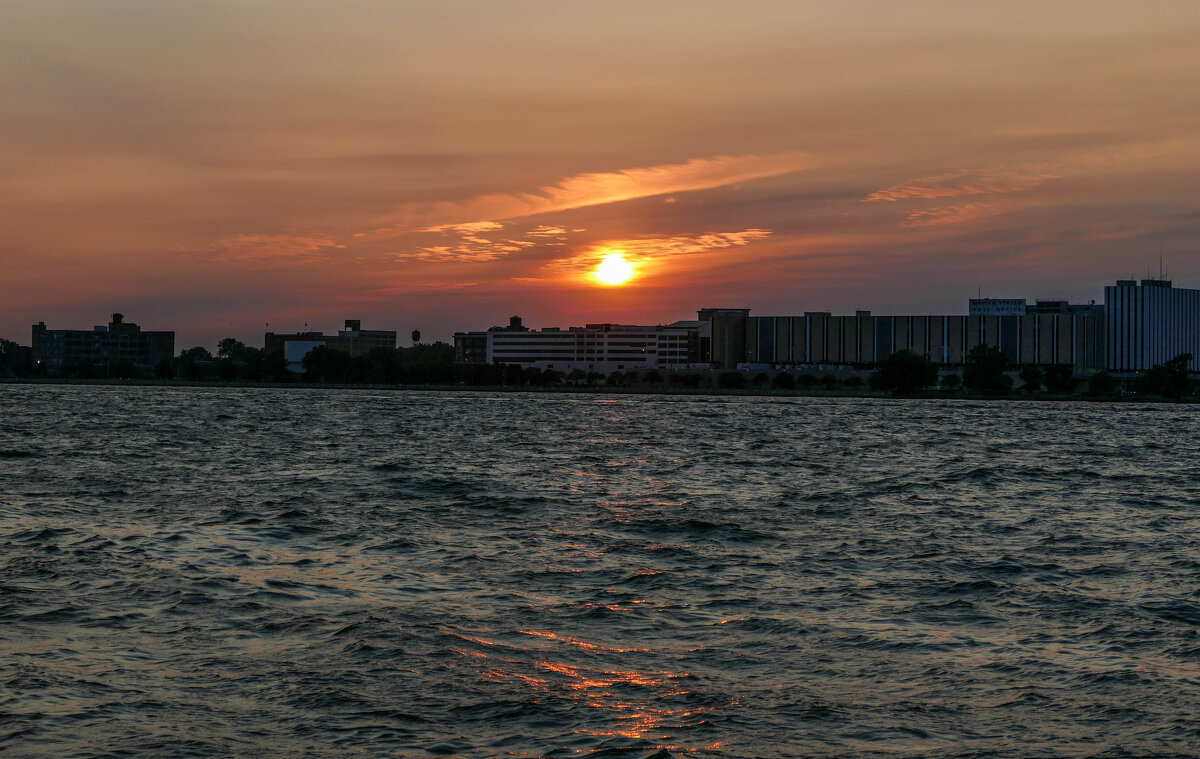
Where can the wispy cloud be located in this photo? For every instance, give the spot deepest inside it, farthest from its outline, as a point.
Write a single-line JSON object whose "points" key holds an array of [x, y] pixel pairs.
{"points": [[471, 245], [681, 245], [470, 228], [597, 188], [951, 214], [260, 248], [645, 249], [967, 182], [552, 233]]}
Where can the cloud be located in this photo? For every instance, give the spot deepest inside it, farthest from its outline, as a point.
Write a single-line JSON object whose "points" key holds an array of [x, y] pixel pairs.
{"points": [[951, 214], [471, 246], [954, 184], [470, 228], [259, 248], [598, 188], [669, 246], [555, 233]]}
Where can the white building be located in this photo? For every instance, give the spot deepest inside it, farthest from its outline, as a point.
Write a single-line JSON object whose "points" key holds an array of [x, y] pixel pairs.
{"points": [[600, 348], [1150, 323]]}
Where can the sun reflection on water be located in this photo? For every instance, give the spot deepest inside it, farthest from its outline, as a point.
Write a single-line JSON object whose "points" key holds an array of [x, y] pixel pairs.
{"points": [[635, 704]]}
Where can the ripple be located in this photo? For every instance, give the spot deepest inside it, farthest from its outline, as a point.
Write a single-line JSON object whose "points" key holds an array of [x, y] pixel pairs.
{"points": [[199, 572]]}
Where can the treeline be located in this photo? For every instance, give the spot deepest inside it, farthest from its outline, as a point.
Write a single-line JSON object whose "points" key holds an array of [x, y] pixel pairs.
{"points": [[986, 372], [235, 362]]}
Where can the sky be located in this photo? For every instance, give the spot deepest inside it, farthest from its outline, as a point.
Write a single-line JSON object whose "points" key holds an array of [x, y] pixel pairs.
{"points": [[220, 167]]}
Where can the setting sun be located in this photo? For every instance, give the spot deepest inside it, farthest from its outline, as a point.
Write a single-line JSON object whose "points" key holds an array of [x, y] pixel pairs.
{"points": [[614, 270]]}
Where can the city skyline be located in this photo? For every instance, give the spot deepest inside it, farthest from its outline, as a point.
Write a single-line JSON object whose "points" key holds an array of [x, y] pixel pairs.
{"points": [[217, 168]]}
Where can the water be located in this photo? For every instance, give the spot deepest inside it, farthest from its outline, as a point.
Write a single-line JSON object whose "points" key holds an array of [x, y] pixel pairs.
{"points": [[241, 572]]}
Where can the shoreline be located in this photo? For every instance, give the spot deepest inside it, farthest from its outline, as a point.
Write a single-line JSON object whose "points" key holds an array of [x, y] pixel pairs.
{"points": [[603, 390]]}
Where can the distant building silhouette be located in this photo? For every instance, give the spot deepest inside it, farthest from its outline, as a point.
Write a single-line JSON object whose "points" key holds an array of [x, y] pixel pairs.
{"points": [[353, 340], [118, 343], [1050, 332]]}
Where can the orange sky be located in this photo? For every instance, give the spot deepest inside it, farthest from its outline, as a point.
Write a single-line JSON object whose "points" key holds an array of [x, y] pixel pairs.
{"points": [[212, 167]]}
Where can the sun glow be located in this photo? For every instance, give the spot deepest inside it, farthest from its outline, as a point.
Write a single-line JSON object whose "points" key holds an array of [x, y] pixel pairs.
{"points": [[613, 270]]}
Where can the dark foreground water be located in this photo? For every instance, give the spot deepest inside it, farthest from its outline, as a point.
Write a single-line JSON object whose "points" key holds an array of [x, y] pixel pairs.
{"points": [[262, 573]]}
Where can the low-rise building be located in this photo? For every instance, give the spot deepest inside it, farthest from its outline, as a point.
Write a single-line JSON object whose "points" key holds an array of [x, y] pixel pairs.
{"points": [[117, 344], [600, 348], [1074, 337], [353, 340]]}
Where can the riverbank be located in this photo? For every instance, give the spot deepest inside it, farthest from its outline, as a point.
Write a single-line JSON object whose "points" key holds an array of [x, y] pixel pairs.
{"points": [[767, 392]]}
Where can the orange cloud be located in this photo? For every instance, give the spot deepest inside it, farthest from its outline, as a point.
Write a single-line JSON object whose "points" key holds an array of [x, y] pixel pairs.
{"points": [[954, 184], [259, 248], [552, 233], [951, 214], [592, 189], [472, 246], [652, 248], [470, 228]]}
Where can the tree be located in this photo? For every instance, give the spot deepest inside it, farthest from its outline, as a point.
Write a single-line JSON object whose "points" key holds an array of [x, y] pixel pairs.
{"points": [[1032, 378], [327, 364], [163, 370], [231, 348], [653, 377], [1060, 378], [806, 381], [985, 370], [830, 382], [731, 380], [905, 372], [275, 367], [853, 382], [951, 383], [226, 370], [784, 381], [1168, 379], [14, 359], [199, 354], [194, 363], [1102, 383], [761, 380], [577, 377], [615, 378], [512, 374], [416, 337]]}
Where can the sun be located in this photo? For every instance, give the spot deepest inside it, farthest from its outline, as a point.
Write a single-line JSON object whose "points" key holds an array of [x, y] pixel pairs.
{"points": [[613, 270]]}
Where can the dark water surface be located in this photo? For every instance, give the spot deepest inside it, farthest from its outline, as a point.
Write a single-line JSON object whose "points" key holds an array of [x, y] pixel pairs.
{"points": [[271, 573]]}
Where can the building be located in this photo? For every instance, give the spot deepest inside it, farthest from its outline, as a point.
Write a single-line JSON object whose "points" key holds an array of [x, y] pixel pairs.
{"points": [[1138, 326], [819, 338], [119, 344], [996, 307], [600, 348], [1150, 323], [353, 340]]}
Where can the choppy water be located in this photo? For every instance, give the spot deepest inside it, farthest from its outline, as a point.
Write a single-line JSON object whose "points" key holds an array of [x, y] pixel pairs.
{"points": [[229, 572]]}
